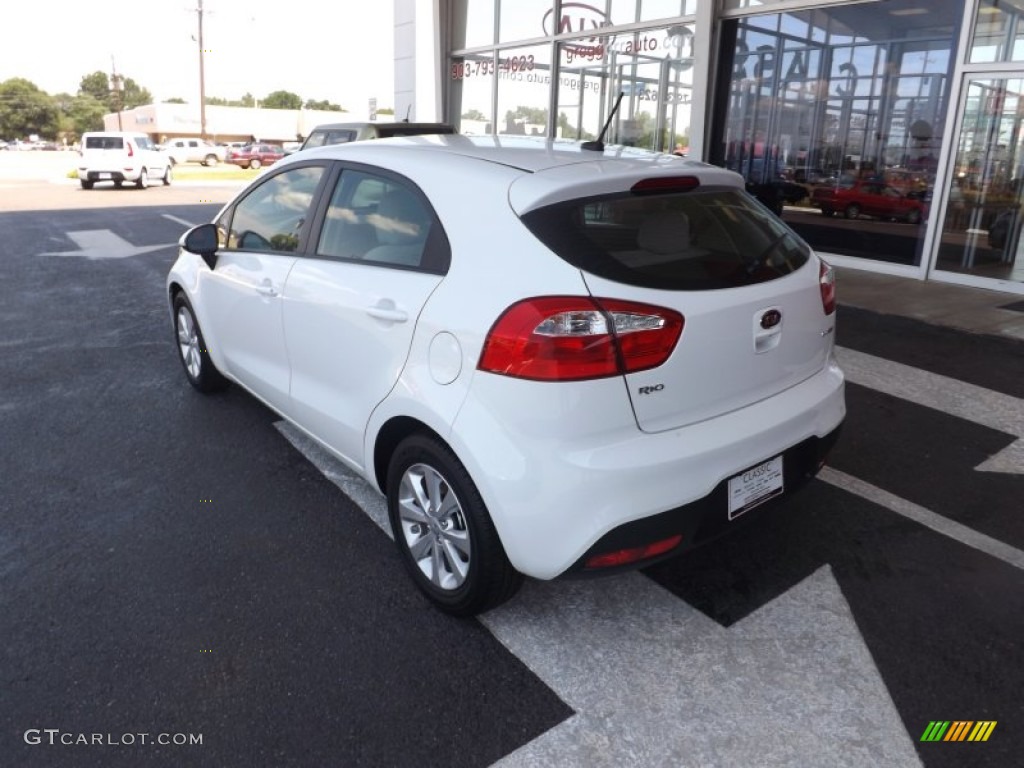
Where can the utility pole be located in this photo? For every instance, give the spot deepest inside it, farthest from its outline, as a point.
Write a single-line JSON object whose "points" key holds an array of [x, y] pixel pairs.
{"points": [[202, 75], [117, 85]]}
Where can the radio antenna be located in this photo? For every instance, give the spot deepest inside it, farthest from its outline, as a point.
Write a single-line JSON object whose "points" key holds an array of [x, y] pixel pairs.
{"points": [[598, 144]]}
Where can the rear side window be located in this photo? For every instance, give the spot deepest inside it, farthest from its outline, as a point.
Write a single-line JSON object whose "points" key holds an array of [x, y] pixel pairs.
{"points": [[702, 239], [384, 222], [104, 142]]}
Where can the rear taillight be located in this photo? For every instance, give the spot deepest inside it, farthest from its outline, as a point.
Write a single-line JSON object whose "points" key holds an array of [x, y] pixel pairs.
{"points": [[570, 338], [827, 281], [634, 554], [131, 152]]}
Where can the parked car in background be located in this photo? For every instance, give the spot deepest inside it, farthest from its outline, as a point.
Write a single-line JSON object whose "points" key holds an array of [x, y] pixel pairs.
{"points": [[119, 157], [195, 151], [869, 198], [608, 358], [342, 133], [810, 176], [255, 155]]}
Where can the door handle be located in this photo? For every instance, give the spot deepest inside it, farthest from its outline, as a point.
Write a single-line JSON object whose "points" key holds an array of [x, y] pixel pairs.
{"points": [[266, 288], [386, 310]]}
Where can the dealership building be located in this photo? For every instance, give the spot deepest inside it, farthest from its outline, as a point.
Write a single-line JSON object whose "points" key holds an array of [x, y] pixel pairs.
{"points": [[917, 101]]}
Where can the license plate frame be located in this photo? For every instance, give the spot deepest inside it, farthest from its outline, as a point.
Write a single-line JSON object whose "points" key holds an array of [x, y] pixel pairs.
{"points": [[755, 486]]}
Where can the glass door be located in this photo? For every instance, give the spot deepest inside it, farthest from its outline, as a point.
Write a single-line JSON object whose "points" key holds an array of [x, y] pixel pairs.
{"points": [[981, 229]]}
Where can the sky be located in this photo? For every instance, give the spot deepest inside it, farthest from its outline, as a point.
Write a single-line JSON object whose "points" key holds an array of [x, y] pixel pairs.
{"points": [[339, 51]]}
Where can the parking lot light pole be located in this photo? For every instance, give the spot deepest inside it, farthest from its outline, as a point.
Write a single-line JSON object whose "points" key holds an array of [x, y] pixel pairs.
{"points": [[202, 75]]}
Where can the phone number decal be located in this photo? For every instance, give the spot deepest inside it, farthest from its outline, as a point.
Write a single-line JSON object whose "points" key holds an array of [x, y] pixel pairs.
{"points": [[464, 69]]}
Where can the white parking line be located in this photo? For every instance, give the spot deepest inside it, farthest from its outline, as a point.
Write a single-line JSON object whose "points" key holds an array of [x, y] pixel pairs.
{"points": [[176, 220], [925, 517], [942, 393]]}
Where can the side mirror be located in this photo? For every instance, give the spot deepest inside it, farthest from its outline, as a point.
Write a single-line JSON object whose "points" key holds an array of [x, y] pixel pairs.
{"points": [[202, 241]]}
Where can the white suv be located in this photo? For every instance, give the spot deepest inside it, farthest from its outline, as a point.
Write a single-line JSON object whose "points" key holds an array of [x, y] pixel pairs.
{"points": [[118, 156], [194, 151]]}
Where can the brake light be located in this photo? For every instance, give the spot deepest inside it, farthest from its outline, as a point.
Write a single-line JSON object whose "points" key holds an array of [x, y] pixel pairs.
{"points": [[827, 281], [634, 554], [662, 184], [572, 338], [131, 152]]}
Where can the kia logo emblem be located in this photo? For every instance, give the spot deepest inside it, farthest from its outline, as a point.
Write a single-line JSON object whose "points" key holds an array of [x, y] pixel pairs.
{"points": [[578, 17], [771, 318]]}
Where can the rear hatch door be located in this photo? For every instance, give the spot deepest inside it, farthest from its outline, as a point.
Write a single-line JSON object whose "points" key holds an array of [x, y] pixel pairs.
{"points": [[746, 285]]}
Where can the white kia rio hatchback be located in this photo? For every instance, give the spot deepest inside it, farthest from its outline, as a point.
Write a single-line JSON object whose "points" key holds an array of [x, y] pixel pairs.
{"points": [[549, 359]]}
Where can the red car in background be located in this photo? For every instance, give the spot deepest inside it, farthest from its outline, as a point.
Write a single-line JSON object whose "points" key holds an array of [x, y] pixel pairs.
{"points": [[255, 155], [869, 198]]}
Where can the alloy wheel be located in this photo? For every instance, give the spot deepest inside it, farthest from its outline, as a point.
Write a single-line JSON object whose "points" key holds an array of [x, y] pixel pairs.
{"points": [[433, 527], [188, 343]]}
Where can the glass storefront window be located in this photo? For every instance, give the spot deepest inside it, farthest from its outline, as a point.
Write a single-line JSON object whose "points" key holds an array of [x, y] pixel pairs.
{"points": [[981, 231], [582, 99], [998, 32], [837, 113], [524, 88], [472, 87], [628, 11], [739, 5], [473, 23], [527, 19], [654, 71]]}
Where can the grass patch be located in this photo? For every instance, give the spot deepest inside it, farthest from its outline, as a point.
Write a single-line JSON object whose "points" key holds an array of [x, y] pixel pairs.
{"points": [[226, 172]]}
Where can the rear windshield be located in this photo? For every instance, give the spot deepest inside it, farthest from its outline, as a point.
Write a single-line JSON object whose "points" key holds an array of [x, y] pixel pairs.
{"points": [[706, 238], [104, 142], [324, 138]]}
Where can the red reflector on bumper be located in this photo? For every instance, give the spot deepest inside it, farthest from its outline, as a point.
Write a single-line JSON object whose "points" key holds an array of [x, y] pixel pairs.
{"points": [[634, 554]]}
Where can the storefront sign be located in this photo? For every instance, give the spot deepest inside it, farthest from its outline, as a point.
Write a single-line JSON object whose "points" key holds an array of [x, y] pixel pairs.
{"points": [[579, 17]]}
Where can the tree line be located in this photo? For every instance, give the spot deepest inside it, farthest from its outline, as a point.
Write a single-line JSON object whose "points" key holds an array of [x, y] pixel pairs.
{"points": [[25, 109]]}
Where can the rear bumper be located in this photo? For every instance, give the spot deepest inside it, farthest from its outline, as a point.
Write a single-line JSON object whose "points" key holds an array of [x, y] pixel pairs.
{"points": [[707, 518], [563, 476], [112, 175]]}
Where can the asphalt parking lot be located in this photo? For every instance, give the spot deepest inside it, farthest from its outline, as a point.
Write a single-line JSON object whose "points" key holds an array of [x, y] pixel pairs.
{"points": [[177, 565]]}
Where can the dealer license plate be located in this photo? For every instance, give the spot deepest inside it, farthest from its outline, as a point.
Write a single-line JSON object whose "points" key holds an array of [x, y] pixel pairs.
{"points": [[102, 175], [755, 486]]}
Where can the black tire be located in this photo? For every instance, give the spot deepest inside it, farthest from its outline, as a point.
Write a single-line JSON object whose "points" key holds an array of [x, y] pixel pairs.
{"points": [[86, 184], [211, 161], [828, 212], [168, 176], [255, 163], [464, 580], [852, 211], [914, 217], [192, 353], [143, 182], [118, 184]]}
